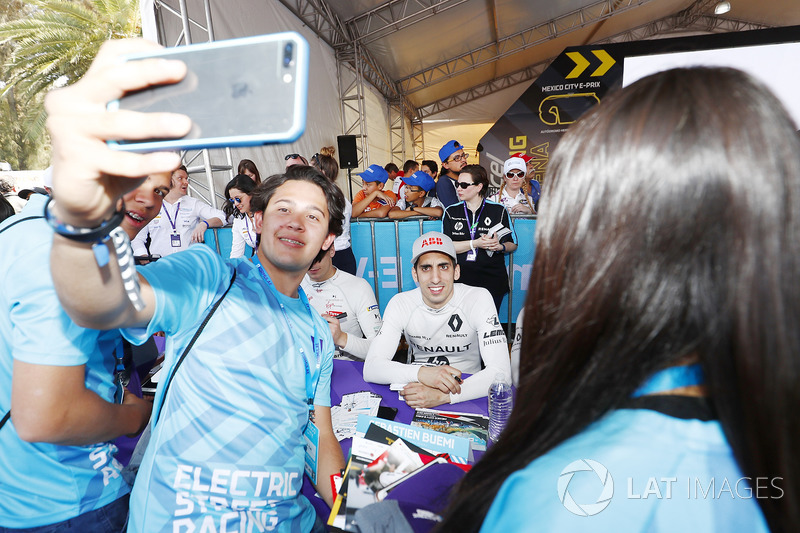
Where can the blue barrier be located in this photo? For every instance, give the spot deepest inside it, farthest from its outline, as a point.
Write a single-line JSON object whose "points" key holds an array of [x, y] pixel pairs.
{"points": [[221, 240], [391, 241]]}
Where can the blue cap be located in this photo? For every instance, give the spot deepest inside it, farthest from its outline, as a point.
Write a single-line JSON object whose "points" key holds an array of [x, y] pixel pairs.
{"points": [[375, 173], [420, 179], [449, 149]]}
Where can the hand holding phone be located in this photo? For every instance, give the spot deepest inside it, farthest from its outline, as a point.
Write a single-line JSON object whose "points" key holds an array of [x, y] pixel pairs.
{"points": [[238, 92], [88, 178]]}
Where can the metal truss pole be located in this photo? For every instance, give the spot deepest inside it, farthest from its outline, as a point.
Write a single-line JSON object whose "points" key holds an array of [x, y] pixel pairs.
{"points": [[397, 132], [418, 140], [351, 98], [219, 160]]}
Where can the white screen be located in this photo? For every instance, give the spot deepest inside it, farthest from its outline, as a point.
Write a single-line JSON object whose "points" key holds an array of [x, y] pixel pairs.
{"points": [[774, 64]]}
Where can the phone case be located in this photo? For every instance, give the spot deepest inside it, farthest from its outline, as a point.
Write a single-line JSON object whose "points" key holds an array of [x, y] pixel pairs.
{"points": [[249, 88]]}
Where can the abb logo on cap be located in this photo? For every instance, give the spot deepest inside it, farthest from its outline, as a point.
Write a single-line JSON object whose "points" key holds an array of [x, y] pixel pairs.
{"points": [[431, 241]]}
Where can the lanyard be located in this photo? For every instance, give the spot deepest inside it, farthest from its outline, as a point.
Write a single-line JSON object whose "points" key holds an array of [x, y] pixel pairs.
{"points": [[311, 380], [672, 378], [177, 210], [475, 220]]}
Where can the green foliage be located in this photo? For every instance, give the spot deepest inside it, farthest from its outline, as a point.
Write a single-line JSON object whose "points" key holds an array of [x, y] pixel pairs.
{"points": [[48, 43]]}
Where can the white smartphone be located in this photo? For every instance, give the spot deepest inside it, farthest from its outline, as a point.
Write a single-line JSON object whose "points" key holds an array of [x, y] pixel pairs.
{"points": [[238, 92]]}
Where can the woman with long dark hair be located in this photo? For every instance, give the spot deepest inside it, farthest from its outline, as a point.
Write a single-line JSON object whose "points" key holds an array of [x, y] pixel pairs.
{"points": [[248, 168], [344, 258], [660, 344], [238, 192]]}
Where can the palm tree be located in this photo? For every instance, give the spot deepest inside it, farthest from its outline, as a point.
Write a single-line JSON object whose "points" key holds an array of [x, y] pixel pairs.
{"points": [[54, 46]]}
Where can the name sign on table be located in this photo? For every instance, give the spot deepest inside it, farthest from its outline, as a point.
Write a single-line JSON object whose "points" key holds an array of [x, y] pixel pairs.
{"points": [[457, 447]]}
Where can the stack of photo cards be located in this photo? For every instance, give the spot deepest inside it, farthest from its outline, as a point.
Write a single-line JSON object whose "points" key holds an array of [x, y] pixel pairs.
{"points": [[500, 231], [345, 415], [380, 461]]}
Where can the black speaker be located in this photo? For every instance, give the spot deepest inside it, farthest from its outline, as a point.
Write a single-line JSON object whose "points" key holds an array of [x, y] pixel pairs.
{"points": [[348, 155]]}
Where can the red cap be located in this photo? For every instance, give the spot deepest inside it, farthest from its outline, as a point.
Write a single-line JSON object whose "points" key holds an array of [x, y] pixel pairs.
{"points": [[524, 156]]}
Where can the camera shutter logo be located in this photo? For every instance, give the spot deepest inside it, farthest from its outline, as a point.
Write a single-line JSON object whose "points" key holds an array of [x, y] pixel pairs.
{"points": [[585, 509]]}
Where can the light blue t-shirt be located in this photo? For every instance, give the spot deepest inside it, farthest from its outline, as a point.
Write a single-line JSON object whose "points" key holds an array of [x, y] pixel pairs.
{"points": [[44, 483], [227, 452], [666, 474]]}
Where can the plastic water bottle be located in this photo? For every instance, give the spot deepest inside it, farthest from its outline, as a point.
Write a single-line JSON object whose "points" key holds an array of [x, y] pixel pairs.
{"points": [[500, 404]]}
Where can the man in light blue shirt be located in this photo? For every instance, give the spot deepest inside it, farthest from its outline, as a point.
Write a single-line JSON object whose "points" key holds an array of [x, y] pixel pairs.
{"points": [[232, 417], [57, 468]]}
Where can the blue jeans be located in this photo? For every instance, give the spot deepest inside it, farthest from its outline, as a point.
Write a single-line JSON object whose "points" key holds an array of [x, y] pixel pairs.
{"points": [[108, 519]]}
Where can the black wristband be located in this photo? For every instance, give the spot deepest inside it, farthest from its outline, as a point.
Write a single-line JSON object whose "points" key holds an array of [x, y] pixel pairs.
{"points": [[96, 234]]}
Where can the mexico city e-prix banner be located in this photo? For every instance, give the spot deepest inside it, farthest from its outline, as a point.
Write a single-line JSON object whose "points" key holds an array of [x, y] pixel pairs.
{"points": [[577, 80]]}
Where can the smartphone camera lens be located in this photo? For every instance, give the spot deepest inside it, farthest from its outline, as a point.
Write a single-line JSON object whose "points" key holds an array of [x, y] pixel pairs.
{"points": [[287, 54]]}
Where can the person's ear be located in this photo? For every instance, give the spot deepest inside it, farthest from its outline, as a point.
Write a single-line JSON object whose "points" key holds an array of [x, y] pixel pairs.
{"points": [[258, 218], [414, 274], [457, 272], [328, 242]]}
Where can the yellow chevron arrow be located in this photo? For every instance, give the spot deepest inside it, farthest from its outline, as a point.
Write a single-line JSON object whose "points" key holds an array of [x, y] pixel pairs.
{"points": [[607, 62], [580, 64]]}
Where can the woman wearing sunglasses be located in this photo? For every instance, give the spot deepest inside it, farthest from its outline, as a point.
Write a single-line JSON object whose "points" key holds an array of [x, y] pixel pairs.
{"points": [[514, 192], [482, 234], [238, 191]]}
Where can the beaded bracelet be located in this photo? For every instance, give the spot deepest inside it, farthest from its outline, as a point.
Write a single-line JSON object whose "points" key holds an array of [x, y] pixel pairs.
{"points": [[107, 230], [96, 234]]}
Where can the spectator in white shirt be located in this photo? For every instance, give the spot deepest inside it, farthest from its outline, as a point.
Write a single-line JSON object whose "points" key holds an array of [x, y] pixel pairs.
{"points": [[450, 328], [514, 192], [181, 222], [347, 303]]}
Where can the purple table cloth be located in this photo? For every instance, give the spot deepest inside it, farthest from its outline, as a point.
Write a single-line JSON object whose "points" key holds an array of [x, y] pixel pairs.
{"points": [[348, 377]]}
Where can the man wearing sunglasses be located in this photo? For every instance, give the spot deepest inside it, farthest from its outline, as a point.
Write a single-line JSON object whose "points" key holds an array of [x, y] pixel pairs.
{"points": [[295, 159], [416, 200], [453, 160]]}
